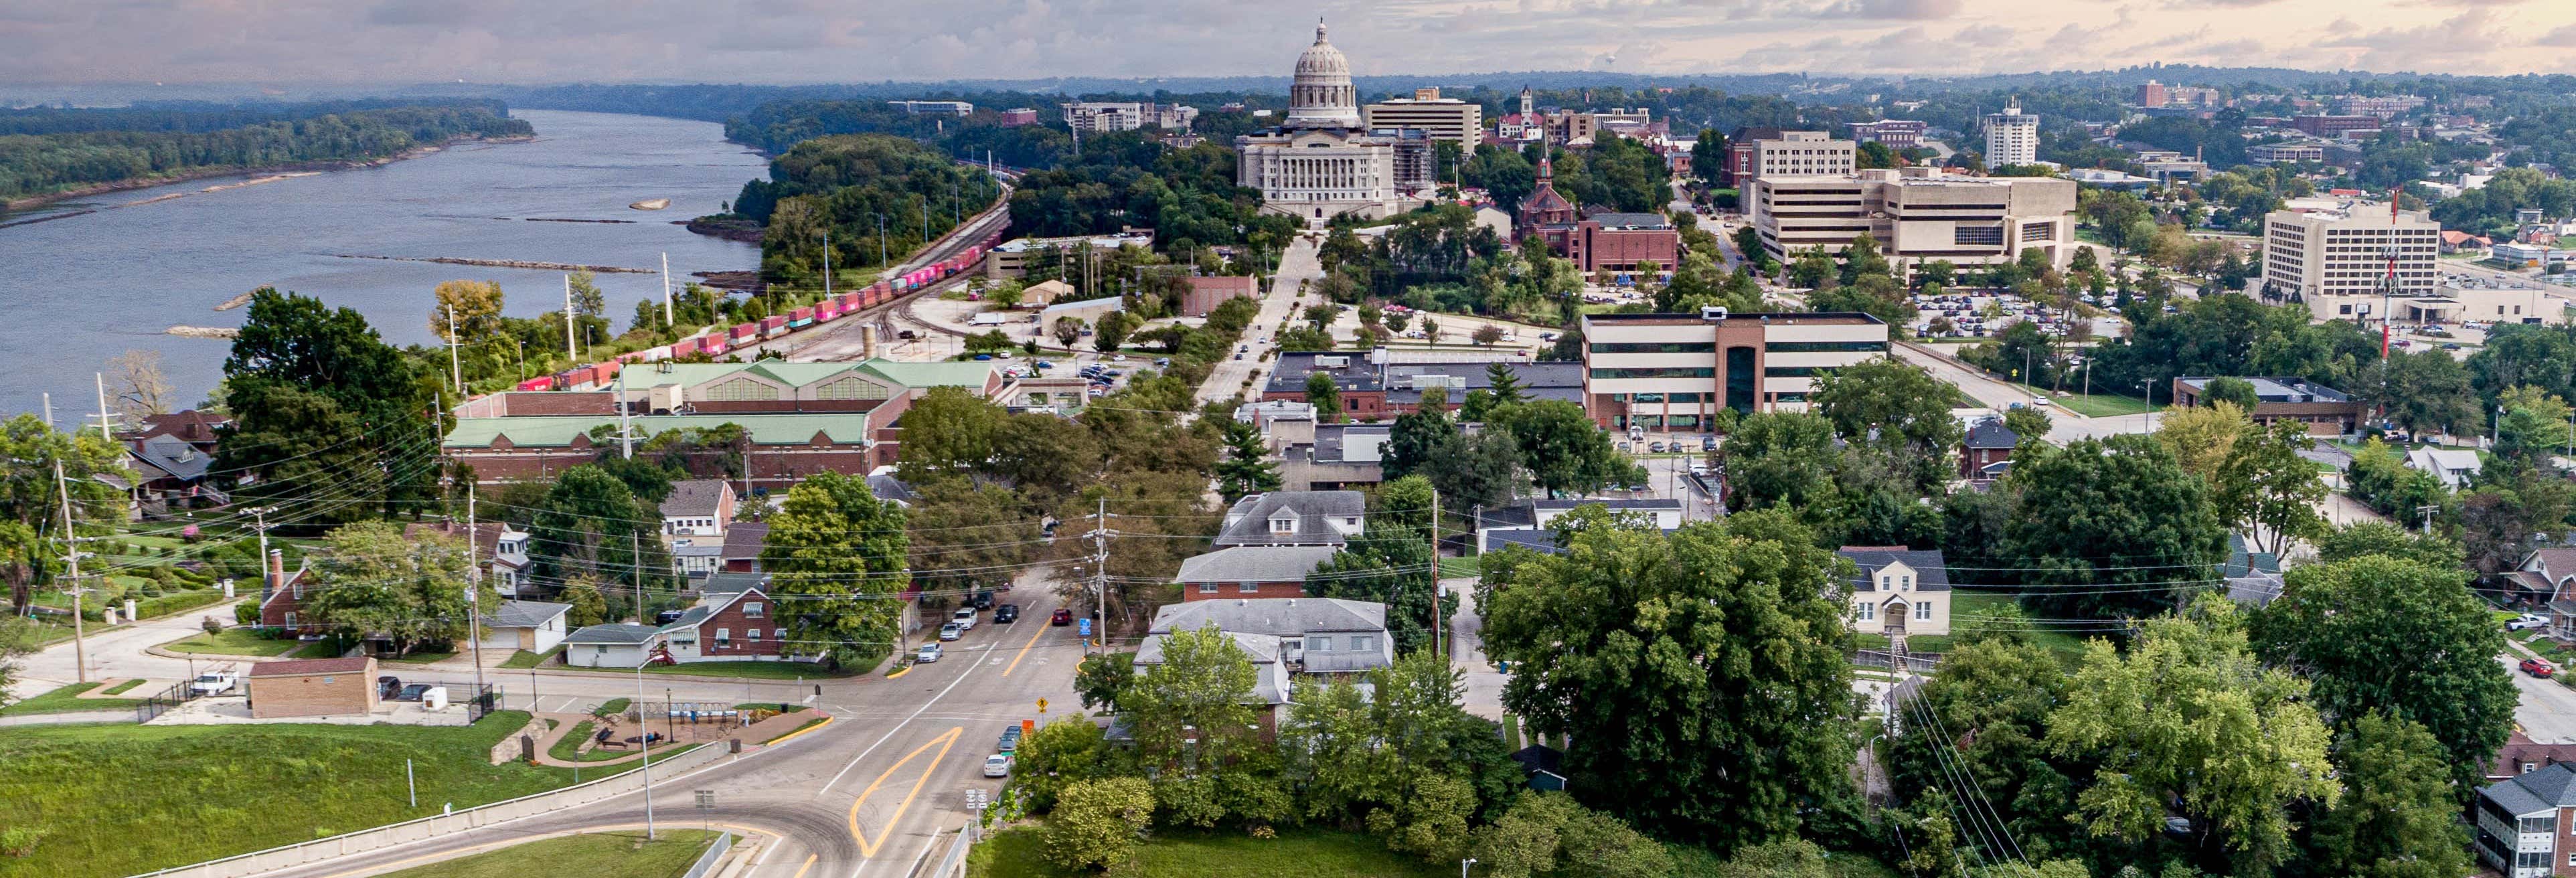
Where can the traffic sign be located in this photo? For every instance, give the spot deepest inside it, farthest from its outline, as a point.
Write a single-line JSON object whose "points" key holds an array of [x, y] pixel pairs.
{"points": [[1041, 705], [1083, 627]]}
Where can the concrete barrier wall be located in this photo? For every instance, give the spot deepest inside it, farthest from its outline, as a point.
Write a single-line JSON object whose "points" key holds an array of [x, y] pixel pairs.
{"points": [[300, 853]]}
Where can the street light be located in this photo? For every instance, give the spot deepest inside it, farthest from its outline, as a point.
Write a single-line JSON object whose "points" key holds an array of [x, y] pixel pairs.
{"points": [[1463, 864]]}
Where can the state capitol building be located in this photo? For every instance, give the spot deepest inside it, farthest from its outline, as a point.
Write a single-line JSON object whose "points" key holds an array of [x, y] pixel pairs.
{"points": [[1324, 161]]}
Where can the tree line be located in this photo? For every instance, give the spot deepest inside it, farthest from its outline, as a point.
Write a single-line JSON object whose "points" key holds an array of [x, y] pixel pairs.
{"points": [[54, 150]]}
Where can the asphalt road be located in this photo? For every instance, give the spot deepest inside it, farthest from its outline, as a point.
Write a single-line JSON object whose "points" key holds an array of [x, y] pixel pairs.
{"points": [[2547, 710], [1278, 306]]}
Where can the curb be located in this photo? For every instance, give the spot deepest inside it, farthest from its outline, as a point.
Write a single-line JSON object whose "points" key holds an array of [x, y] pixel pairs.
{"points": [[790, 736], [898, 672]]}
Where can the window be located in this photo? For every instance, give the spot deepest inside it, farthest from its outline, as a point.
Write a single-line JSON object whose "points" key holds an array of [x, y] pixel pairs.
{"points": [[599, 650], [780, 633], [1247, 587], [1363, 643], [751, 610], [724, 637], [2529, 767], [1669, 372], [1905, 583], [1319, 644], [1866, 611], [741, 389], [1825, 347], [2540, 825], [1207, 587], [1650, 347], [290, 620], [1285, 524], [1886, 581], [1923, 611], [296, 593], [751, 635], [1992, 236], [2531, 860]]}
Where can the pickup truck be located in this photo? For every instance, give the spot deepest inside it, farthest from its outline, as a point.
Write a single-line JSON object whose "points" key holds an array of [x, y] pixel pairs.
{"points": [[211, 683]]}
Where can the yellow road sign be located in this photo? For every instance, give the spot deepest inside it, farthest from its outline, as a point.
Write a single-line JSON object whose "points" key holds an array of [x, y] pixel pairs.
{"points": [[1041, 705]]}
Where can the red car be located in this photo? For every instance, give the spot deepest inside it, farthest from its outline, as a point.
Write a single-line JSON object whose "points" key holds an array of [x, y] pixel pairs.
{"points": [[2537, 668], [1062, 617]]}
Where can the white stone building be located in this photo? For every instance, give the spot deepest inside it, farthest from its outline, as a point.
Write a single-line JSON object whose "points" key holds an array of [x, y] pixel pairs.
{"points": [[1323, 161]]}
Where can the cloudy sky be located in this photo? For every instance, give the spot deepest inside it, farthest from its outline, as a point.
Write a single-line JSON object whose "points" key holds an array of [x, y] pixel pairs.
{"points": [[810, 41]]}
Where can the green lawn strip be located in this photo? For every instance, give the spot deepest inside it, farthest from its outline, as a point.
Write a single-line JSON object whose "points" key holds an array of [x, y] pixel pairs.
{"points": [[742, 670], [597, 855], [66, 700], [233, 641], [524, 659], [1020, 852], [2098, 405], [422, 658], [1966, 604], [1512, 731], [777, 706], [1472, 565], [565, 748], [614, 706], [241, 788], [122, 688]]}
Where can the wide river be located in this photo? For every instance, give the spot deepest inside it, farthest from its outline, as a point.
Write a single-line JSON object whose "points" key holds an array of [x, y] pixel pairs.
{"points": [[79, 290]]}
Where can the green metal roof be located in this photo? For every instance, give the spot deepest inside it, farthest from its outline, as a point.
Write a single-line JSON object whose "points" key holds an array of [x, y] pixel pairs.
{"points": [[912, 375], [559, 431]]}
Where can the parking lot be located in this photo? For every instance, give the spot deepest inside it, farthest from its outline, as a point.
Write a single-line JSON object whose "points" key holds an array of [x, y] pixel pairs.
{"points": [[1984, 315]]}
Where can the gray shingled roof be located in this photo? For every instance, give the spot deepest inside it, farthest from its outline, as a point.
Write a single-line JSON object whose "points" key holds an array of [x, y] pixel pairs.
{"points": [[2541, 790], [1254, 564], [1262, 648], [1279, 617], [614, 633], [1991, 433], [175, 456], [1931, 573], [1248, 522], [524, 614], [745, 539], [693, 498]]}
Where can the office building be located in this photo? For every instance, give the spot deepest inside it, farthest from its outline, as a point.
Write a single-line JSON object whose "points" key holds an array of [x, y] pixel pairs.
{"points": [[2012, 137], [1802, 153], [1441, 118], [1018, 116], [2334, 255], [1916, 215], [1100, 117], [2325, 410], [937, 108], [1896, 134], [1323, 161], [2335, 126], [1674, 371], [2151, 95], [2275, 153], [2380, 107]]}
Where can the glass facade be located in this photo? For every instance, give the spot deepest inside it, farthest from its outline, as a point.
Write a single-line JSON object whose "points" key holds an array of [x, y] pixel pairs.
{"points": [[1647, 347], [1825, 347], [1668, 372], [1740, 379]]}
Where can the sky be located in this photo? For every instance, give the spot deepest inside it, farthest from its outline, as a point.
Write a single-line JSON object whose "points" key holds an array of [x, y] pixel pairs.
{"points": [[844, 41]]}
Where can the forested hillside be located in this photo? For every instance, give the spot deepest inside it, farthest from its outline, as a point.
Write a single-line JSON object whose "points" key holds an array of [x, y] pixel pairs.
{"points": [[45, 151]]}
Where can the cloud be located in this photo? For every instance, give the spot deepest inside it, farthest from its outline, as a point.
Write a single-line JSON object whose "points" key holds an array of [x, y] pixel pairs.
{"points": [[2563, 38], [1902, 10]]}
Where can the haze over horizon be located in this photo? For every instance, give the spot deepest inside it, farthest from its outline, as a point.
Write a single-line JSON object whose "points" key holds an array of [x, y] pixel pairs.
{"points": [[805, 41]]}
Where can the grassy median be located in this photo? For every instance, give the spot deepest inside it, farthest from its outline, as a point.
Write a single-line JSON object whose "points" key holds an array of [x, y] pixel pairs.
{"points": [[1021, 853], [597, 855]]}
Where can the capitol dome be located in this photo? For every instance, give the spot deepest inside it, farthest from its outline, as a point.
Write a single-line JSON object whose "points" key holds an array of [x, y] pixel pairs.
{"points": [[1322, 96]]}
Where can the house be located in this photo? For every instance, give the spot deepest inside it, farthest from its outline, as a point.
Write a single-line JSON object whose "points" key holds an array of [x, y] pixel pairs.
{"points": [[505, 545], [2542, 576], [1987, 444], [1532, 523], [2253, 578], [1044, 293], [728, 626], [1294, 518], [533, 626], [2523, 822], [743, 541], [614, 645], [883, 484], [171, 471], [1270, 686], [2454, 466], [1315, 635], [2521, 755], [313, 687], [281, 597], [1545, 766], [1250, 572], [694, 519], [1333, 456], [1899, 591]]}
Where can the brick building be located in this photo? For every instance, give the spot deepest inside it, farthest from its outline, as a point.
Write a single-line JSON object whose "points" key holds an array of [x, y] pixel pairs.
{"points": [[1619, 242], [2326, 411], [313, 687], [1206, 293], [1250, 572], [2334, 126], [1986, 449], [728, 626]]}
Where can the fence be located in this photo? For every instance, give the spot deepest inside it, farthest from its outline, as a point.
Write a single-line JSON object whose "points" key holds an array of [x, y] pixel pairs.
{"points": [[300, 853], [1918, 662], [706, 864], [163, 702], [953, 863]]}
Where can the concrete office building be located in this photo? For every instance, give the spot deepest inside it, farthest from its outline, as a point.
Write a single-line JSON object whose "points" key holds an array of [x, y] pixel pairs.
{"points": [[1916, 214], [937, 108], [1896, 134], [1674, 371], [2012, 137], [1802, 153], [2333, 255], [2274, 153], [1324, 161], [1449, 119], [1103, 117]]}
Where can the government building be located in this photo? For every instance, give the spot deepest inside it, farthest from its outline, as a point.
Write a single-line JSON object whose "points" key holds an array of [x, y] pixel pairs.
{"points": [[1659, 372], [1324, 161]]}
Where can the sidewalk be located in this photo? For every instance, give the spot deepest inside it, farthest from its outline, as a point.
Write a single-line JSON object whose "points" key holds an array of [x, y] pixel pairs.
{"points": [[752, 736]]}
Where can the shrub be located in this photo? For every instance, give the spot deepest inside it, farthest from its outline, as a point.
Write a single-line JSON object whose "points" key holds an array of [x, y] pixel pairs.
{"points": [[246, 613], [211, 624], [19, 841], [1097, 822]]}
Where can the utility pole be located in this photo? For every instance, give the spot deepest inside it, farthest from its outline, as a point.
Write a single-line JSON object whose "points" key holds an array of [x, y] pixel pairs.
{"points": [[667, 320], [827, 262], [625, 434], [71, 555], [635, 553], [455, 368], [474, 593], [1100, 574], [646, 736], [104, 418], [570, 351]]}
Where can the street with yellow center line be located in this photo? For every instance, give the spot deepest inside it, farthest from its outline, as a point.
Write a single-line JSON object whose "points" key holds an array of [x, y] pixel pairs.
{"points": [[945, 741]]}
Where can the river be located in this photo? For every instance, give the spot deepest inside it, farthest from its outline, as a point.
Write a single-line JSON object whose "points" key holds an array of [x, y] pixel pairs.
{"points": [[82, 289]]}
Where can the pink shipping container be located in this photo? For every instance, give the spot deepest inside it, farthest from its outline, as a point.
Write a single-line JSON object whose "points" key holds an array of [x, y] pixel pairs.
{"points": [[773, 327], [533, 384], [743, 332]]}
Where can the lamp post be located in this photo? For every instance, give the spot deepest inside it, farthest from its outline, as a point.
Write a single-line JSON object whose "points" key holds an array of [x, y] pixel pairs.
{"points": [[1463, 864], [646, 735]]}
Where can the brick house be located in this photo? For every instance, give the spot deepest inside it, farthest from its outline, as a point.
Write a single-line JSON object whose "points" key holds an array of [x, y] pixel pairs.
{"points": [[2521, 755], [743, 542], [728, 626], [313, 687], [2526, 824], [1987, 445], [281, 599], [1250, 572]]}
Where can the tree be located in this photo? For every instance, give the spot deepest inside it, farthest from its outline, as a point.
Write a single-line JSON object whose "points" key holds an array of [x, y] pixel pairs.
{"points": [[1097, 822], [1504, 383], [1067, 330], [1988, 709], [2347, 623], [1430, 330], [1698, 676], [2382, 538], [1101, 677], [1109, 331], [1418, 438], [1779, 457], [1008, 295], [1405, 759], [2238, 391], [1247, 468], [1812, 269], [289, 444], [472, 307], [31, 498], [835, 558], [1563, 448], [2187, 718], [2203, 438], [375, 581], [2110, 528], [1548, 835], [589, 603], [140, 385], [949, 433], [1062, 753], [1486, 334], [1895, 406], [1483, 470], [591, 524], [2268, 489], [2535, 425], [2028, 422], [294, 343], [2398, 817], [1325, 395]]}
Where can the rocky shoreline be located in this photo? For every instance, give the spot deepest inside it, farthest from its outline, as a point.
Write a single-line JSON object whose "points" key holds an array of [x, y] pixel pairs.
{"points": [[730, 229], [507, 263]]}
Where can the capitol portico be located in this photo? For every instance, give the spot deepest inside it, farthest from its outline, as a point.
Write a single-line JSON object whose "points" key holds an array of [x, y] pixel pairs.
{"points": [[1323, 161]]}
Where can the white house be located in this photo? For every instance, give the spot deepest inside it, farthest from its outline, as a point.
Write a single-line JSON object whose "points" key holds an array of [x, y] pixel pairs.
{"points": [[1294, 518], [2519, 821], [1899, 590], [615, 645], [535, 626], [1315, 635], [694, 519], [2455, 466]]}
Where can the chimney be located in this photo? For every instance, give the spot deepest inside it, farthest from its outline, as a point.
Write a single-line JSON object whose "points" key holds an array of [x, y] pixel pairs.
{"points": [[867, 342], [276, 571]]}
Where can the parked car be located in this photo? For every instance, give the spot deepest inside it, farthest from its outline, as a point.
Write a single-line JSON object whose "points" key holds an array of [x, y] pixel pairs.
{"points": [[950, 631], [1656, 447], [1010, 740], [997, 765], [2526, 622], [929, 653], [964, 618], [1006, 614], [211, 683], [2538, 668], [387, 686], [411, 692], [983, 600], [1061, 618], [1708, 443]]}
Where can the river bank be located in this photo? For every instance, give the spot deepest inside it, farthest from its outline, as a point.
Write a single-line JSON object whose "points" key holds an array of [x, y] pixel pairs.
{"points": [[31, 202]]}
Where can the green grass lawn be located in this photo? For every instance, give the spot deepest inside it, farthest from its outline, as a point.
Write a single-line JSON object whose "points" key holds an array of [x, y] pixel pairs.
{"points": [[239, 788], [422, 657], [1020, 853], [743, 670], [1472, 565], [233, 641], [1965, 603], [598, 855], [566, 748], [526, 659], [66, 700], [2098, 405], [122, 688]]}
